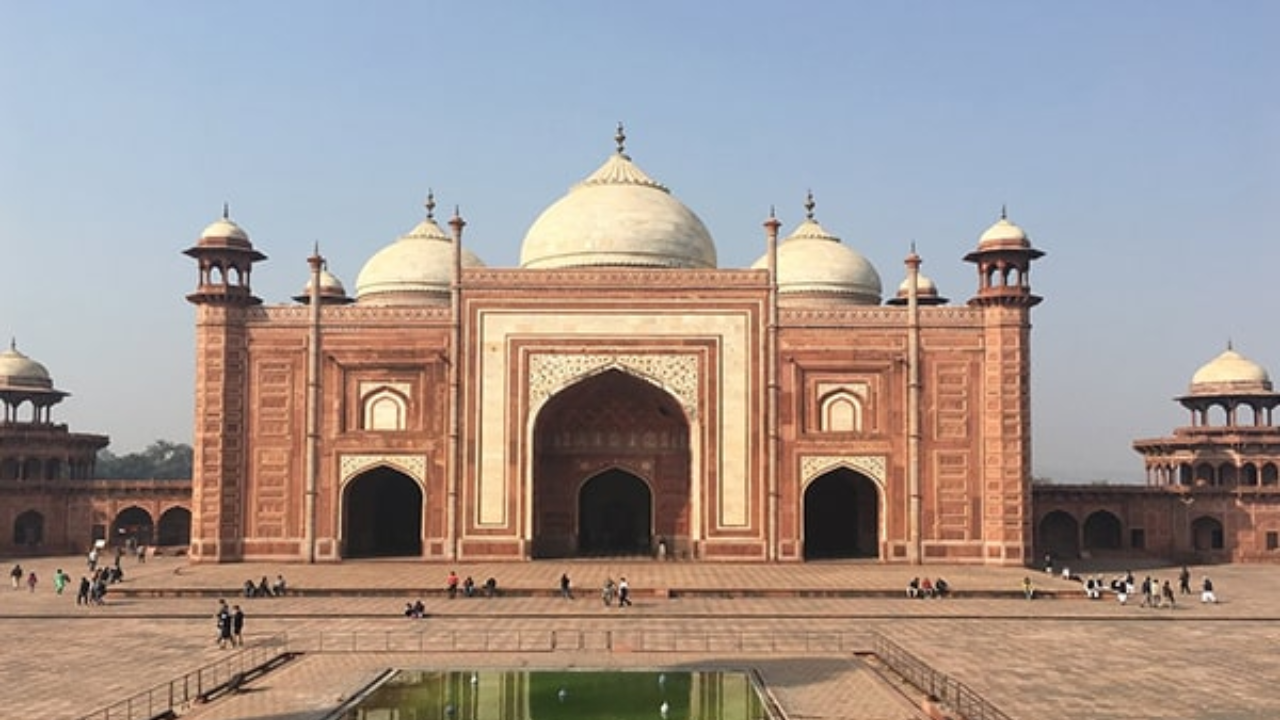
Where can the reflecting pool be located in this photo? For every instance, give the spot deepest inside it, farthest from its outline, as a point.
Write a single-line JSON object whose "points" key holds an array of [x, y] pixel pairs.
{"points": [[560, 695]]}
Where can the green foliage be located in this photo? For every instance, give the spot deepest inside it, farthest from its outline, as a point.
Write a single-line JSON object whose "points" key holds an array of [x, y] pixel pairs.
{"points": [[162, 460]]}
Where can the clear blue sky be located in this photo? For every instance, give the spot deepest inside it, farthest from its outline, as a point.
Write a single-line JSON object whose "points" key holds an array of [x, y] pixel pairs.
{"points": [[1137, 142]]}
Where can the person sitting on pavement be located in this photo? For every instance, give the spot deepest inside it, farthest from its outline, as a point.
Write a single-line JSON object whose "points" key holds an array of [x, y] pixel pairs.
{"points": [[941, 588]]}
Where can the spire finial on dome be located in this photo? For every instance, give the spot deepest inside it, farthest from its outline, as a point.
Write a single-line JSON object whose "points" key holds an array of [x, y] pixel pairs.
{"points": [[809, 205], [13, 344], [226, 210], [620, 137], [430, 204], [1229, 344], [1004, 211]]}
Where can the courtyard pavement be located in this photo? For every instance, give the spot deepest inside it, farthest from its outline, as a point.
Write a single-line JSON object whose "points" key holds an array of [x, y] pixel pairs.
{"points": [[805, 627]]}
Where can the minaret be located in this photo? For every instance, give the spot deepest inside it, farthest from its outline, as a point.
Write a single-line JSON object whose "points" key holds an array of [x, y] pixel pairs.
{"points": [[1003, 256], [225, 258]]}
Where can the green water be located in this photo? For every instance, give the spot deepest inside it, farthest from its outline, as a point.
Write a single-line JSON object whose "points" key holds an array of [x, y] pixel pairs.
{"points": [[561, 695]]}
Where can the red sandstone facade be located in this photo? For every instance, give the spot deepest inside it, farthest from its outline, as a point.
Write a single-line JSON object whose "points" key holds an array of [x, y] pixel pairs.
{"points": [[608, 407]]}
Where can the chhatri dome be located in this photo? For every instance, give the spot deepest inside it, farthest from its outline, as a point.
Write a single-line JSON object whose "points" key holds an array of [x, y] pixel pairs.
{"points": [[224, 232], [331, 288], [416, 269], [1003, 235], [1230, 374], [814, 264], [618, 216], [21, 373]]}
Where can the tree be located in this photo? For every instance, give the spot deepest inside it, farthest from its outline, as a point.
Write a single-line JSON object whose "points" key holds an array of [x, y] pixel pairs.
{"points": [[162, 460]]}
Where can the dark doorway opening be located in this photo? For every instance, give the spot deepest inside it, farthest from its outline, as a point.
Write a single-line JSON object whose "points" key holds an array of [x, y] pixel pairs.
{"points": [[1102, 531], [383, 515], [841, 517], [174, 527], [615, 510], [28, 529], [1060, 535], [133, 523]]}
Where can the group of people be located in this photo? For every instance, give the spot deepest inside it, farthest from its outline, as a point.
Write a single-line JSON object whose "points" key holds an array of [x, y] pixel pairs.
{"points": [[926, 588], [620, 590], [468, 586], [264, 589], [230, 622], [17, 574]]}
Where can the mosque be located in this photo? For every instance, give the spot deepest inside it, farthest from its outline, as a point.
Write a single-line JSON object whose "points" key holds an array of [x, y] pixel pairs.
{"points": [[620, 394]]}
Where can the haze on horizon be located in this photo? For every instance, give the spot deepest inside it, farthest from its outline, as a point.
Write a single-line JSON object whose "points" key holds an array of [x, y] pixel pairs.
{"points": [[1138, 145]]}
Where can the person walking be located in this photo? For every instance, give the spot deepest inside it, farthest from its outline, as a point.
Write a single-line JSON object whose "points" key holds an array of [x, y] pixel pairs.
{"points": [[32, 580], [566, 591], [607, 592], [223, 619], [1184, 581], [15, 575], [237, 626], [624, 593]]}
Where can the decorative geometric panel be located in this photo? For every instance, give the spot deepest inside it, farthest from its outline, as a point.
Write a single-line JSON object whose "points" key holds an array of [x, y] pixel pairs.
{"points": [[677, 374], [415, 466], [873, 466]]}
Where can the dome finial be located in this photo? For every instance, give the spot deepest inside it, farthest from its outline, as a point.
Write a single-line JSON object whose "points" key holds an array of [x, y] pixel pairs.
{"points": [[809, 205], [430, 204], [620, 137], [13, 344], [226, 210], [1229, 347], [1004, 211], [771, 224], [457, 223]]}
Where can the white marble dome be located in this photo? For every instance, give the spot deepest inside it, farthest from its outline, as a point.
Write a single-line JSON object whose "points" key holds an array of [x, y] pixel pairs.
{"points": [[416, 269], [814, 263], [1230, 373], [1004, 234], [618, 216], [925, 287], [19, 372], [224, 232]]}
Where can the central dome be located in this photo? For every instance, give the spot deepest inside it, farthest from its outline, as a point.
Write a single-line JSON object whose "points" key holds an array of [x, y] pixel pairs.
{"points": [[618, 216]]}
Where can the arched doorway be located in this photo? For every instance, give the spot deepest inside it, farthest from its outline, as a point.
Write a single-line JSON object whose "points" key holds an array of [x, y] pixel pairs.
{"points": [[584, 439], [841, 516], [28, 529], [132, 523], [1060, 534], [174, 528], [615, 511], [1102, 531], [382, 515], [1206, 533]]}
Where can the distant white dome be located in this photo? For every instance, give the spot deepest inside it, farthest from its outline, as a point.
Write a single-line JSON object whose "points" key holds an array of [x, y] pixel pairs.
{"points": [[813, 263], [331, 288], [1230, 373], [19, 372], [416, 269], [618, 216]]}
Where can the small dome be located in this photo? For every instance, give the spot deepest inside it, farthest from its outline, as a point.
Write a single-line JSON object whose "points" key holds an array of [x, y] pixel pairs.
{"points": [[618, 216], [416, 269], [1230, 373], [224, 232], [19, 372], [814, 263], [331, 288], [1004, 235], [926, 292]]}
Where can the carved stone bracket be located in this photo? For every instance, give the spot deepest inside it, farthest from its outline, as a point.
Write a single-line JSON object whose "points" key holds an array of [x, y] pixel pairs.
{"points": [[677, 374], [415, 466]]}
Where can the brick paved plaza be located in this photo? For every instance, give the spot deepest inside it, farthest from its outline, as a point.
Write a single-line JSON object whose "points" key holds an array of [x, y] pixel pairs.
{"points": [[804, 627]]}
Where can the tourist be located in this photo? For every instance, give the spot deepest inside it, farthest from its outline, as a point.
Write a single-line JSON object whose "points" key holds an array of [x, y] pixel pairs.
{"points": [[926, 588], [469, 587], [32, 580], [624, 593], [278, 587], [82, 595], [264, 588], [223, 619], [941, 588], [60, 580], [607, 592], [1184, 581], [237, 627], [1048, 563], [15, 575], [565, 591], [1167, 592], [491, 587], [1206, 591], [451, 584], [1028, 590], [913, 588]]}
